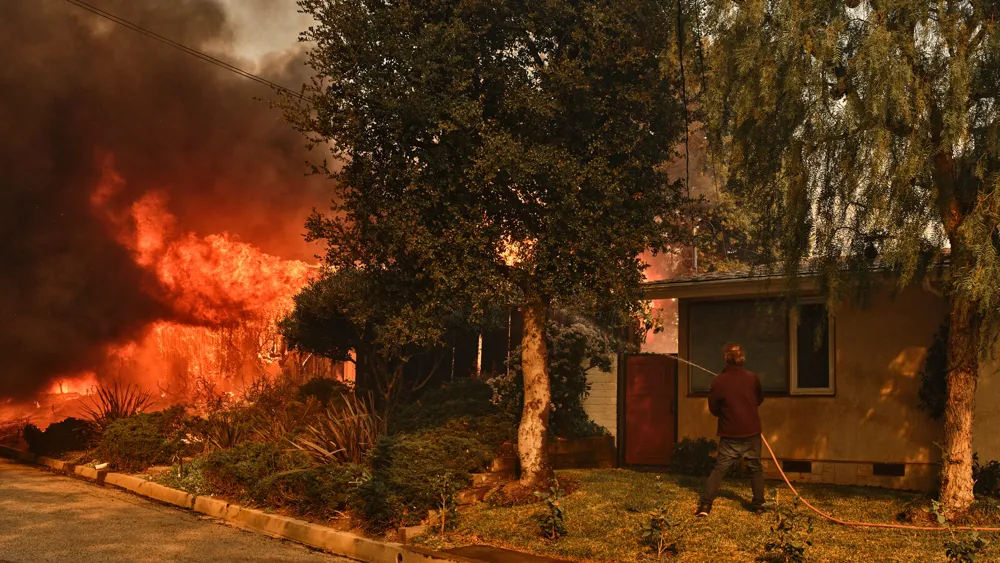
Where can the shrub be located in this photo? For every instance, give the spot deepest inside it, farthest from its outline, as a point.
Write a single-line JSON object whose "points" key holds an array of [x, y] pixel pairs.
{"points": [[112, 403], [964, 548], [447, 508], [574, 349], [325, 390], [552, 521], [13, 429], [135, 443], [224, 429], [286, 423], [694, 457], [460, 399], [933, 391], [491, 431], [376, 504], [986, 477], [343, 434], [186, 477], [400, 488], [790, 536], [267, 395], [959, 548], [325, 491], [248, 470], [660, 534], [34, 437], [69, 435]]}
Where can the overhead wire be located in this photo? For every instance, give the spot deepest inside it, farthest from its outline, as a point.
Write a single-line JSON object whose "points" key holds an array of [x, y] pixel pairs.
{"points": [[190, 51]]}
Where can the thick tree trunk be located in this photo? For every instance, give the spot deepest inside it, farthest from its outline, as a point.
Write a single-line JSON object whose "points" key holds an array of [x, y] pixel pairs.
{"points": [[963, 367], [533, 433]]}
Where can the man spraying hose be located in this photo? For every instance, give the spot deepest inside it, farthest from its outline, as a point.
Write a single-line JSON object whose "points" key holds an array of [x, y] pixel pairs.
{"points": [[734, 397]]}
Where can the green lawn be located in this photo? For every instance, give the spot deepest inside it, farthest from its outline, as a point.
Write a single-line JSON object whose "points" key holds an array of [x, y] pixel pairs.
{"points": [[604, 516]]}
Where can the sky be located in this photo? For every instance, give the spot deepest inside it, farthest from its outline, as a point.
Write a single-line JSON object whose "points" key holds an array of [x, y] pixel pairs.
{"points": [[264, 27]]}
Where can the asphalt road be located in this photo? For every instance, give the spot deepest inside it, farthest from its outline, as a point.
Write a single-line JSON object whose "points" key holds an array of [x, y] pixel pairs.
{"points": [[47, 517]]}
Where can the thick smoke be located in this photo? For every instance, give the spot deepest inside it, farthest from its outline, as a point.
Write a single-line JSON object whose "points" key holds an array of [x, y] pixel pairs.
{"points": [[73, 88]]}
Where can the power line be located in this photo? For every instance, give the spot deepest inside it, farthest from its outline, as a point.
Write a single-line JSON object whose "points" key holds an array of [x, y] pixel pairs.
{"points": [[193, 52]]}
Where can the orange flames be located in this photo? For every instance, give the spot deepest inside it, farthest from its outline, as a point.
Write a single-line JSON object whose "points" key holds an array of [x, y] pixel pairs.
{"points": [[224, 297], [226, 294], [82, 384], [214, 280]]}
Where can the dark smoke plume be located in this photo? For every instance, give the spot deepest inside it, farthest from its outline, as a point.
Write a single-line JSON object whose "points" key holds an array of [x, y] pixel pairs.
{"points": [[73, 87]]}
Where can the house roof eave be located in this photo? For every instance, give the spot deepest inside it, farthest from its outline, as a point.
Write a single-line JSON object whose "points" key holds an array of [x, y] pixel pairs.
{"points": [[750, 284], [735, 286]]}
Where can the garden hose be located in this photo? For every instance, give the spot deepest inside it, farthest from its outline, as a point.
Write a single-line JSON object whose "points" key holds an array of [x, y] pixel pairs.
{"points": [[865, 524], [849, 522]]}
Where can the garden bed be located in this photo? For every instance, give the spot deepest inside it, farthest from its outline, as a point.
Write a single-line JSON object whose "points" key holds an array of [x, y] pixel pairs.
{"points": [[597, 452], [604, 517]]}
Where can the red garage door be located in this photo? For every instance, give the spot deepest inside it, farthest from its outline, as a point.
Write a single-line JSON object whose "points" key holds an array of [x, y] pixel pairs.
{"points": [[650, 388]]}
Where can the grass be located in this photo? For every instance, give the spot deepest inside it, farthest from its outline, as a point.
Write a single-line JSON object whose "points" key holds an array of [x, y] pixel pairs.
{"points": [[604, 516], [193, 480]]}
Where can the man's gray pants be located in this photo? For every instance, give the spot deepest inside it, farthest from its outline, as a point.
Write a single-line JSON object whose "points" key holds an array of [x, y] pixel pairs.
{"points": [[731, 451]]}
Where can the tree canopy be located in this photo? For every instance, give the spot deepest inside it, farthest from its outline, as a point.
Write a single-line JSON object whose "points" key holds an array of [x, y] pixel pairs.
{"points": [[499, 150], [864, 136], [504, 146]]}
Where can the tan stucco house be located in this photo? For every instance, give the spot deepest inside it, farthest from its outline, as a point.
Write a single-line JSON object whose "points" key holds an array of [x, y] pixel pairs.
{"points": [[841, 386]]}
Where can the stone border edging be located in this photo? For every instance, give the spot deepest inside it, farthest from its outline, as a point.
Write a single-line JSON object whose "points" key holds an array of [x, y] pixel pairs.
{"points": [[327, 539]]}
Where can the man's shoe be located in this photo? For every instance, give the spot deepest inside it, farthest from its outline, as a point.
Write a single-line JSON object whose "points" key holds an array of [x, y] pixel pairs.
{"points": [[703, 510], [761, 507]]}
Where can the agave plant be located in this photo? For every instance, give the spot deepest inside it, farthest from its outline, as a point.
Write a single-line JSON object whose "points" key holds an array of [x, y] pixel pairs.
{"points": [[225, 429], [116, 401], [286, 422], [343, 433]]}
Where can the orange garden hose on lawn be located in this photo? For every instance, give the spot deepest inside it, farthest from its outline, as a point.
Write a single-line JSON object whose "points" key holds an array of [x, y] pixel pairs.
{"points": [[865, 524], [838, 520]]}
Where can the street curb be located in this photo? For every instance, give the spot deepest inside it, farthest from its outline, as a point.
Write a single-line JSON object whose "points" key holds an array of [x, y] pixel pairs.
{"points": [[57, 464], [333, 541]]}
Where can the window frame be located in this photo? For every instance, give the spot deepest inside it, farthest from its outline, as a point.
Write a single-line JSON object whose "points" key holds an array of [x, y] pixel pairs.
{"points": [[793, 351], [792, 380]]}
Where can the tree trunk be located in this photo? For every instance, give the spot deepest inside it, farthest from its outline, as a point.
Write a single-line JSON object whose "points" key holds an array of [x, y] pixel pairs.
{"points": [[533, 432], [963, 368]]}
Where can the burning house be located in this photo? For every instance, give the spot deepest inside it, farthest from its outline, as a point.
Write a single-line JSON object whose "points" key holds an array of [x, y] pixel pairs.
{"points": [[152, 209]]}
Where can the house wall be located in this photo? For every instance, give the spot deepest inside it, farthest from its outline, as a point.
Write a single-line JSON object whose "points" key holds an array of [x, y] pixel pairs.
{"points": [[602, 403], [873, 418], [985, 434]]}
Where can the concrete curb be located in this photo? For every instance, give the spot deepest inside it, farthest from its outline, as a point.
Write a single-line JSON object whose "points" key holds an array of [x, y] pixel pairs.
{"points": [[56, 464], [327, 539]]}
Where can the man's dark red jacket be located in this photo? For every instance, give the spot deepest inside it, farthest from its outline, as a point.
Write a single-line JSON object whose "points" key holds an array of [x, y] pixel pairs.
{"points": [[735, 395]]}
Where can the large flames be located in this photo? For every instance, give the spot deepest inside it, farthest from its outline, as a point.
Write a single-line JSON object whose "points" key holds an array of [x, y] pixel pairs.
{"points": [[223, 297], [212, 281]]}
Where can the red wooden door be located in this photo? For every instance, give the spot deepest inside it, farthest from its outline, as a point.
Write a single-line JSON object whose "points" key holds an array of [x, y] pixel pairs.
{"points": [[650, 390]]}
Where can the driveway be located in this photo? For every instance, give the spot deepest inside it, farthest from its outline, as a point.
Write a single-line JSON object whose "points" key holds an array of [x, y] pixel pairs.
{"points": [[46, 517]]}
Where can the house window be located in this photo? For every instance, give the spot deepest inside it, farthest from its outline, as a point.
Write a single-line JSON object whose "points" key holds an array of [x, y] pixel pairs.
{"points": [[761, 327], [790, 350], [811, 352]]}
